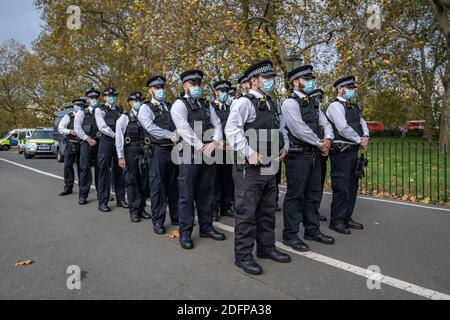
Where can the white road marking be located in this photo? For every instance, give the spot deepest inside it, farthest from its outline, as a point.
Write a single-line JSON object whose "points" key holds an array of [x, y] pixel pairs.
{"points": [[393, 282]]}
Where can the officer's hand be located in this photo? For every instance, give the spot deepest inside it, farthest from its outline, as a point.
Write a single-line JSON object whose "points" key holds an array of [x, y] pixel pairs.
{"points": [[122, 163], [254, 159], [208, 149], [174, 138], [282, 154], [91, 142], [364, 143], [72, 132]]}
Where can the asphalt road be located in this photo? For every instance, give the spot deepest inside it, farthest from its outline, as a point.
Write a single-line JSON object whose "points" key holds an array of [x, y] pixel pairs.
{"points": [[409, 244]]}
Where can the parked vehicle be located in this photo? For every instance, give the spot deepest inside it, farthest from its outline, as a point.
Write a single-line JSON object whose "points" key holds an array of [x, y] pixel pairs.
{"points": [[23, 143], [14, 138], [41, 143], [375, 126]]}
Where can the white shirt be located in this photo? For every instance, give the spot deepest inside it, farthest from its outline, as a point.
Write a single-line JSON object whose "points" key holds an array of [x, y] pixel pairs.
{"points": [[180, 118], [62, 127], [78, 124], [336, 114], [242, 112], [121, 128], [294, 122], [101, 124], [146, 118]]}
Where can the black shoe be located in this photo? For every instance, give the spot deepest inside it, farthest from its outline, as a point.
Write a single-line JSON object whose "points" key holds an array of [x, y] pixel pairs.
{"points": [[82, 201], [227, 213], [276, 255], [135, 218], [354, 225], [213, 234], [159, 229], [320, 237], [340, 228], [322, 218], [144, 215], [249, 266], [122, 204], [186, 243], [297, 245], [65, 193], [175, 223], [104, 208]]}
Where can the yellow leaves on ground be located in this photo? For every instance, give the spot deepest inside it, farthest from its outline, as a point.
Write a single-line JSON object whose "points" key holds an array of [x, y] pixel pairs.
{"points": [[20, 263], [174, 234]]}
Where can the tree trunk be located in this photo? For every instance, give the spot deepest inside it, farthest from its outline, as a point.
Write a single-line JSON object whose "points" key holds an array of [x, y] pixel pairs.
{"points": [[444, 137]]}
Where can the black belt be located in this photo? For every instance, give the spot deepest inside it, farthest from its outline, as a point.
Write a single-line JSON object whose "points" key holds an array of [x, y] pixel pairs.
{"points": [[168, 147], [344, 147], [302, 148]]}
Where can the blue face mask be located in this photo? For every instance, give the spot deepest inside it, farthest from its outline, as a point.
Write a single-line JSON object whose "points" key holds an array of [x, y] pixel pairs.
{"points": [[309, 86], [136, 105], [195, 92], [160, 95], [93, 103], [111, 100], [77, 108], [268, 86], [349, 94], [223, 96]]}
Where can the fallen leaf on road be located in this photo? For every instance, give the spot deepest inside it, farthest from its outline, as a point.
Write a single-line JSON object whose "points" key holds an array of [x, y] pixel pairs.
{"points": [[20, 263], [174, 234]]}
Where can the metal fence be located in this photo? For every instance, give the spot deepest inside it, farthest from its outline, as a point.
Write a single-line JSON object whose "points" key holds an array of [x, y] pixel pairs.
{"points": [[415, 171]]}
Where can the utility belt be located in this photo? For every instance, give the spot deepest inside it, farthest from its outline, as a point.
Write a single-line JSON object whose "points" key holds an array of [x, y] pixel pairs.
{"points": [[74, 141], [344, 147], [300, 148], [166, 147], [137, 142], [106, 137]]}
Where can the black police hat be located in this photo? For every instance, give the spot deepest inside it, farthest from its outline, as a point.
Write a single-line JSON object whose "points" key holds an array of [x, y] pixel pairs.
{"points": [[301, 72], [157, 81], [222, 85], [110, 92], [80, 102], [243, 79], [136, 96], [262, 68], [192, 75], [348, 82], [92, 93]]}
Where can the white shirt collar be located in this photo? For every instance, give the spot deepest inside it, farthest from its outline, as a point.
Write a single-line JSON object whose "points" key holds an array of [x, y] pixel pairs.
{"points": [[300, 94], [342, 99], [256, 94], [134, 111]]}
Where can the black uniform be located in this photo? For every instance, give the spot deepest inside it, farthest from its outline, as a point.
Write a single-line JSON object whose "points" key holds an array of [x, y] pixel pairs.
{"points": [[71, 156]]}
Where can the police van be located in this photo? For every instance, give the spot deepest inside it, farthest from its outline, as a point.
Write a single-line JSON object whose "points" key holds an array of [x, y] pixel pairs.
{"points": [[15, 138]]}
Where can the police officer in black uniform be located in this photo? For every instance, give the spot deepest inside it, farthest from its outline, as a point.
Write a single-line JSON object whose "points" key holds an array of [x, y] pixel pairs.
{"points": [[106, 117], [351, 134], [72, 148], [224, 189], [193, 117], [155, 118], [255, 183], [303, 121], [86, 129], [133, 151]]}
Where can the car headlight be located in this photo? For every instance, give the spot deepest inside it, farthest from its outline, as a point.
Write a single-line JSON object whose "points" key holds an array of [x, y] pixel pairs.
{"points": [[32, 146]]}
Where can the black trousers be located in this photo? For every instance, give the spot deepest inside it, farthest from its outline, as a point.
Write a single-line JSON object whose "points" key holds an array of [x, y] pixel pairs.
{"points": [[88, 159], [71, 157], [195, 184], [108, 169], [255, 198], [163, 183], [135, 180], [344, 185], [323, 169], [303, 194], [224, 188]]}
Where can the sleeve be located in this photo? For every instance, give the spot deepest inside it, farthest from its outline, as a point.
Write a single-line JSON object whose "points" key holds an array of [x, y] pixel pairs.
{"points": [[323, 121], [336, 114], [215, 121], [179, 117], [146, 118], [62, 127], [78, 125], [234, 129], [295, 123], [101, 124], [121, 127], [284, 132], [365, 128]]}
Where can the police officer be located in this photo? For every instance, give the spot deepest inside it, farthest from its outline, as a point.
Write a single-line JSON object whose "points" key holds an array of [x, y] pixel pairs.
{"points": [[86, 129], [107, 165], [72, 148], [303, 119], [351, 134], [255, 186], [132, 148], [224, 190], [193, 117], [155, 118]]}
